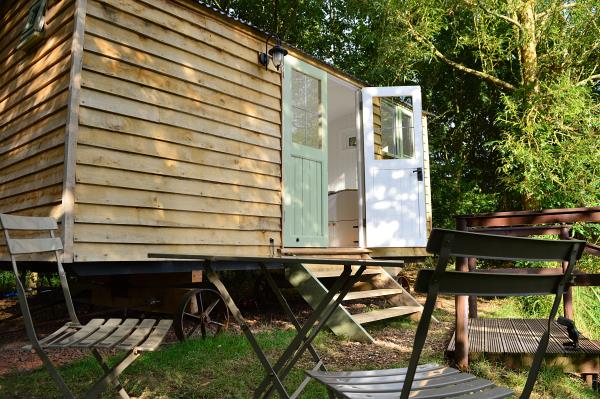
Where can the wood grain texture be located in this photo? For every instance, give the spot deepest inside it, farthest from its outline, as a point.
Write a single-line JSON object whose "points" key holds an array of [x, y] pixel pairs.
{"points": [[179, 139], [34, 87]]}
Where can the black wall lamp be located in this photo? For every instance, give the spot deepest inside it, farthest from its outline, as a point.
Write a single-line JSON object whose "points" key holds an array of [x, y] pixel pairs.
{"points": [[276, 53]]}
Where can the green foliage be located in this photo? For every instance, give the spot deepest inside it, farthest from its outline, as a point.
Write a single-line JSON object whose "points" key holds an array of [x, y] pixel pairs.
{"points": [[553, 161], [7, 282]]}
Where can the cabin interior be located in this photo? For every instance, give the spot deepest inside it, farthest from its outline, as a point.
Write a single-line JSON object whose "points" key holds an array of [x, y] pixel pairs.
{"points": [[343, 167]]}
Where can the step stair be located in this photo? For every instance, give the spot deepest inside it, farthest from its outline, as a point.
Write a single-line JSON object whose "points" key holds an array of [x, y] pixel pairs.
{"points": [[353, 295], [382, 314], [376, 283]]}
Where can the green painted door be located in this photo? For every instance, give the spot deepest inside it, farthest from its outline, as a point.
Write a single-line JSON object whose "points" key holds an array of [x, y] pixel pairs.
{"points": [[304, 155]]}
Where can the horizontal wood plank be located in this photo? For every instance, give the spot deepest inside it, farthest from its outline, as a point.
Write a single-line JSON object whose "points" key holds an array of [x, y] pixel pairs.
{"points": [[21, 77], [163, 132], [142, 60], [34, 164], [48, 177], [35, 131], [86, 252], [112, 32], [177, 152], [141, 163], [195, 107], [121, 234], [147, 199], [182, 34], [115, 215], [187, 88], [41, 111], [122, 106], [43, 143], [41, 198], [167, 184], [51, 89]]}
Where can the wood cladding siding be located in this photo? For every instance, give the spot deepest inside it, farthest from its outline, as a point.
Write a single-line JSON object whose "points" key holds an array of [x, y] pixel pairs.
{"points": [[34, 89], [179, 140]]}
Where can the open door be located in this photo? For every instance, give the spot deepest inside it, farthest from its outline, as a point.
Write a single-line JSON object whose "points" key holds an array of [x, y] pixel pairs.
{"points": [[394, 185], [304, 155]]}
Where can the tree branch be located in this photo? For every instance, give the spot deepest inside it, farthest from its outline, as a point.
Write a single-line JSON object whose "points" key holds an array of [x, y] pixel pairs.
{"points": [[494, 13], [541, 16], [588, 80], [485, 76]]}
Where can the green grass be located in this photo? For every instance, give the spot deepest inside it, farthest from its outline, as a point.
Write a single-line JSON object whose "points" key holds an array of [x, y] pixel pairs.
{"points": [[226, 367]]}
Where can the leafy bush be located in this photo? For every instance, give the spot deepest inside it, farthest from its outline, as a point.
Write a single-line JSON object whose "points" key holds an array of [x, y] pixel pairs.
{"points": [[7, 282]]}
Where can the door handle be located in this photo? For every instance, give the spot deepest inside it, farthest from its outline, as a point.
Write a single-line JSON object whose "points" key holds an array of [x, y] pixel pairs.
{"points": [[419, 172]]}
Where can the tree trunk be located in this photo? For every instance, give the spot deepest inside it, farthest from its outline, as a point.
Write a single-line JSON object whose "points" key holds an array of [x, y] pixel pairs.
{"points": [[526, 15]]}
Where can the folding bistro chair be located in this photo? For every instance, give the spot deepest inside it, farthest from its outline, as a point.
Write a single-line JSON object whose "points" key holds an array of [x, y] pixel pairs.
{"points": [[132, 335], [432, 381]]}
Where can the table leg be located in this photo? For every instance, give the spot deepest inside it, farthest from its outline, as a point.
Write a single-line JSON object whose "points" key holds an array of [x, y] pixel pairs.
{"points": [[322, 312], [288, 311], [237, 315], [319, 365]]}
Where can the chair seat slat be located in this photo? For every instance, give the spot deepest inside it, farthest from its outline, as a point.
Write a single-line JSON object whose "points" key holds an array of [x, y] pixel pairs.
{"points": [[82, 333], [376, 386], [382, 376], [119, 334], [138, 335], [20, 246], [16, 222], [58, 334], [493, 393], [102, 332], [366, 373], [446, 391], [156, 337], [489, 283]]}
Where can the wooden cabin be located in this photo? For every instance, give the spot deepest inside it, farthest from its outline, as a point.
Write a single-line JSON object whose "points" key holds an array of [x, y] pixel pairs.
{"points": [[150, 126]]}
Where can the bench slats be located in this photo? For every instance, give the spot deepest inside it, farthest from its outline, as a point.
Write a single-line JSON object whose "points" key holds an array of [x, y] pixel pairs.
{"points": [[382, 376], [80, 334], [446, 391], [19, 246], [156, 337], [119, 334], [100, 333], [139, 334], [374, 384], [16, 222]]}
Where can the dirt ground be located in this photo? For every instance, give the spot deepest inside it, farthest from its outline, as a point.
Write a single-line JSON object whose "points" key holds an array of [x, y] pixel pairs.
{"points": [[47, 319]]}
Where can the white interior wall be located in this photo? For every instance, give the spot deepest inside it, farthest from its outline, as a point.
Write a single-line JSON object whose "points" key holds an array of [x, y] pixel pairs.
{"points": [[341, 124]]}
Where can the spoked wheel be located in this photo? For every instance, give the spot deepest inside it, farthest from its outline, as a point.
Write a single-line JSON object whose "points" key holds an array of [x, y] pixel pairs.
{"points": [[202, 312]]}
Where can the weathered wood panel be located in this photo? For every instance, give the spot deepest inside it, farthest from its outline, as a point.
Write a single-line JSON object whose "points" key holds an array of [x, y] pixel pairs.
{"points": [[34, 88], [98, 252], [178, 147]]}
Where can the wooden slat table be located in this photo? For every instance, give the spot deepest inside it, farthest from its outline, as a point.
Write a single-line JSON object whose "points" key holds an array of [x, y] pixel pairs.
{"points": [[305, 333], [515, 341]]}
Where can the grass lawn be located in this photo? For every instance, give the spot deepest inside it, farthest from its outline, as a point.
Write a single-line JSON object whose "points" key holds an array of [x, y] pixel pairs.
{"points": [[226, 367]]}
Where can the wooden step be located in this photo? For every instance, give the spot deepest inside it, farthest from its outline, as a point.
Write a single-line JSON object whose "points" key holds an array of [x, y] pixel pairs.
{"points": [[371, 293], [375, 315], [326, 252], [335, 271]]}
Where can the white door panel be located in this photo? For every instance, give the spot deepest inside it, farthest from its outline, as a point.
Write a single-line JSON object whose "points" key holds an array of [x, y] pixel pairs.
{"points": [[393, 167]]}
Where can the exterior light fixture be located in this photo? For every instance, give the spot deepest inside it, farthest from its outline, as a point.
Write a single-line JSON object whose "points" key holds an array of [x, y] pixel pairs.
{"points": [[276, 53]]}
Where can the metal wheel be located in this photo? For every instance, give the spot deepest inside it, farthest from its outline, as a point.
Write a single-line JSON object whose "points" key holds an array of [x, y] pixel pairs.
{"points": [[202, 311]]}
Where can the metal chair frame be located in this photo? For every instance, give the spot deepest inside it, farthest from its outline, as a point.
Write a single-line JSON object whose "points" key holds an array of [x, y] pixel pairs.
{"points": [[28, 246], [451, 243]]}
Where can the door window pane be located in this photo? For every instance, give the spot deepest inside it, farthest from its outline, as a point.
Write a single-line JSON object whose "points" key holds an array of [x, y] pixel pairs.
{"points": [[393, 128], [306, 120]]}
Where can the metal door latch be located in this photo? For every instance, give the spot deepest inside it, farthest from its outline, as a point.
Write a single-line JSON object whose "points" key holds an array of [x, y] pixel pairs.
{"points": [[419, 172]]}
